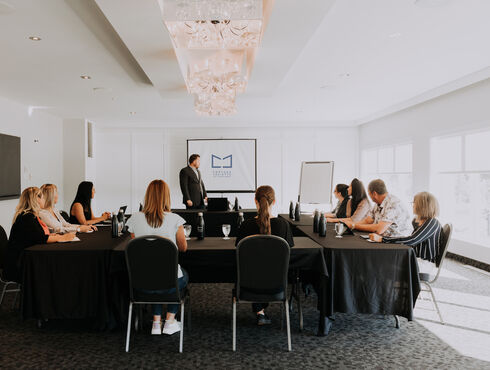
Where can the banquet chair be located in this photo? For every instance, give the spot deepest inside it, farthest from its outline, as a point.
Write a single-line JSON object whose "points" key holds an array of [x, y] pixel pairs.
{"points": [[262, 274], [425, 278], [6, 283], [152, 264]]}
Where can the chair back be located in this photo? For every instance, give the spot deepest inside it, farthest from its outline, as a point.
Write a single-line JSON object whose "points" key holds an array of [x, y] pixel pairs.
{"points": [[262, 264], [444, 240], [152, 263], [3, 247], [65, 215]]}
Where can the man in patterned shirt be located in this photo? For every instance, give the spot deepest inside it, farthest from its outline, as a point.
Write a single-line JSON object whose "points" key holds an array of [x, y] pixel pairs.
{"points": [[388, 217]]}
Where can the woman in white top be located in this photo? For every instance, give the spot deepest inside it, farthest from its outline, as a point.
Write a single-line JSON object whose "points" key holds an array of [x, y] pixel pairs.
{"points": [[358, 205], [52, 217], [156, 219]]}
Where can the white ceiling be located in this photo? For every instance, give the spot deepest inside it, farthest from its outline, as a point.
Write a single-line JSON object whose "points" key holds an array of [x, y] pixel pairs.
{"points": [[322, 62]]}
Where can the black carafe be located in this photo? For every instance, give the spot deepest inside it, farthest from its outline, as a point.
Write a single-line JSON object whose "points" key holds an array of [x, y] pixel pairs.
{"points": [[322, 227], [236, 207], [297, 212], [114, 226], [240, 220], [291, 210], [200, 226], [316, 220]]}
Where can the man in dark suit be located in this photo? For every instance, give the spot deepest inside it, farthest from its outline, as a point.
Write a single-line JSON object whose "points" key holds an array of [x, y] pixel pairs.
{"points": [[191, 184]]}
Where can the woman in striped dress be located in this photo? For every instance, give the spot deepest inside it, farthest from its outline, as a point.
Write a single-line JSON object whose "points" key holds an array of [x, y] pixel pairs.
{"points": [[427, 228]]}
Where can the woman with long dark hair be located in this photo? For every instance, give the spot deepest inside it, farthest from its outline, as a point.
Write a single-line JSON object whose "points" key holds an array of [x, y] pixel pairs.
{"points": [[357, 206], [81, 209], [265, 224], [341, 193]]}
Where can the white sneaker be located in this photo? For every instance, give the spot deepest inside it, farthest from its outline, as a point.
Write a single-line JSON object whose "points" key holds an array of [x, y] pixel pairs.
{"points": [[171, 328], [156, 328]]}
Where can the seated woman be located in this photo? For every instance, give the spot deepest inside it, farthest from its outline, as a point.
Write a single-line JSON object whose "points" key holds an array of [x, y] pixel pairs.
{"points": [[156, 219], [81, 210], [341, 193], [52, 217], [28, 230], [264, 224], [358, 205], [425, 238]]}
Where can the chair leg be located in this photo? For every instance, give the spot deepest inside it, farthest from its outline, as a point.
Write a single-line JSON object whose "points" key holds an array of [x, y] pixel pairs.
{"points": [[181, 344], [3, 292], [234, 324], [189, 313], [300, 307], [435, 303], [130, 312], [288, 327], [397, 322]]}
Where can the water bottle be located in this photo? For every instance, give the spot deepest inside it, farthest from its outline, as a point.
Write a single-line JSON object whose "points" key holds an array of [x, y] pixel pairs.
{"points": [[120, 221], [114, 226], [291, 210], [322, 227], [240, 219], [200, 226], [316, 221], [297, 212], [236, 207]]}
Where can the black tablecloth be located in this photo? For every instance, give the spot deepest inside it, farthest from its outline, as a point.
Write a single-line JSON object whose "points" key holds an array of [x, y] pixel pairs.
{"points": [[71, 280], [213, 220], [304, 220], [374, 278]]}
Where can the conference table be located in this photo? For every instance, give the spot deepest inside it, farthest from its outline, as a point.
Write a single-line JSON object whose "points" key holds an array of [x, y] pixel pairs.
{"points": [[364, 277], [213, 220], [88, 279]]}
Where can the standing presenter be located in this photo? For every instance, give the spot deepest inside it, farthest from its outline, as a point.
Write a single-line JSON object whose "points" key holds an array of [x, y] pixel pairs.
{"points": [[191, 184]]}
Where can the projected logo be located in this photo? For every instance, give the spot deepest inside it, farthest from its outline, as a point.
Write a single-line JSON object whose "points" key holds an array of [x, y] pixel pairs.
{"points": [[221, 165]]}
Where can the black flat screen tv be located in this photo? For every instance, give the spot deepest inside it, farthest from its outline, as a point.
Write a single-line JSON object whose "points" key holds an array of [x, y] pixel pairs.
{"points": [[9, 167]]}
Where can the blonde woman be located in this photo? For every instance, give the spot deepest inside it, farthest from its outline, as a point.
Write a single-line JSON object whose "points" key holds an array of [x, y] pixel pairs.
{"points": [[425, 238], [156, 219], [52, 217], [28, 230]]}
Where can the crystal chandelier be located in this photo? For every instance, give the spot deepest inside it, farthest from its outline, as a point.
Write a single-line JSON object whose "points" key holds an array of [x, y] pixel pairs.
{"points": [[215, 42]]}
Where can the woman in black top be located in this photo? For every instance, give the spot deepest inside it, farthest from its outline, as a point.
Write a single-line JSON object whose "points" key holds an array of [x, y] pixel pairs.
{"points": [[81, 210], [28, 230], [264, 224], [341, 193]]}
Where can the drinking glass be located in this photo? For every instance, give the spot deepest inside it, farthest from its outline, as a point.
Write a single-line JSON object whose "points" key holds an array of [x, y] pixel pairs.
{"points": [[339, 229], [226, 231], [187, 231]]}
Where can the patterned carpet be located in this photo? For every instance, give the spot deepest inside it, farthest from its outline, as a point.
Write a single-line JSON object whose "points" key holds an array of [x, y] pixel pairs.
{"points": [[356, 342]]}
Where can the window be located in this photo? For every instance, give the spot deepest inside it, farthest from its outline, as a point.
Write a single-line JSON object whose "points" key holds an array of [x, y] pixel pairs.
{"points": [[460, 179], [392, 164]]}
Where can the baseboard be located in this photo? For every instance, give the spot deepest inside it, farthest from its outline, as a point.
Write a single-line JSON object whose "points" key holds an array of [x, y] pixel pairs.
{"points": [[469, 261]]}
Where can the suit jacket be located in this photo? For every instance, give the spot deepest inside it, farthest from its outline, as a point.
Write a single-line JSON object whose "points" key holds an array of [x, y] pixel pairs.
{"points": [[190, 185]]}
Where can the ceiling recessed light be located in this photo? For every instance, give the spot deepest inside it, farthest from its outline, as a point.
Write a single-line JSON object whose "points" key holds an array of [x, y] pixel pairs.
{"points": [[394, 35], [85, 77], [34, 38]]}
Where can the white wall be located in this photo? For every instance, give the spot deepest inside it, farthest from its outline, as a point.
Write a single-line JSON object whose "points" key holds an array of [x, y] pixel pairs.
{"points": [[127, 159], [42, 161], [465, 109]]}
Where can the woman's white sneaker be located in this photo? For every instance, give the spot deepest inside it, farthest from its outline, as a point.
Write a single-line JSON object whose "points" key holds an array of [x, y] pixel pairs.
{"points": [[156, 328], [171, 328]]}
